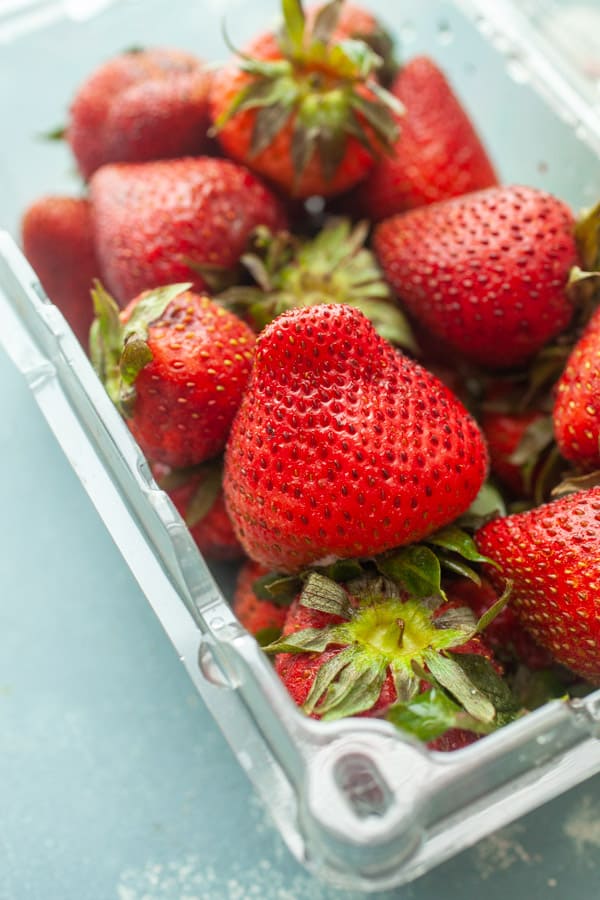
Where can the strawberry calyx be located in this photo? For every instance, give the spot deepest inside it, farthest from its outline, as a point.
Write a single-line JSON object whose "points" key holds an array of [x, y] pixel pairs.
{"points": [[538, 458], [431, 714], [119, 350], [379, 630], [583, 289], [573, 483], [381, 42], [332, 267], [535, 460], [389, 617], [587, 237], [517, 420], [328, 89], [55, 134], [417, 568]]}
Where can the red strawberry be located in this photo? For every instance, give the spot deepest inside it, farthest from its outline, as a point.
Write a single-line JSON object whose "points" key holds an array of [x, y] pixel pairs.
{"points": [[361, 647], [438, 153], [505, 635], [255, 614], [197, 494], [552, 556], [57, 241], [577, 408], [141, 105], [176, 364], [342, 446], [486, 272], [162, 222], [304, 110]]}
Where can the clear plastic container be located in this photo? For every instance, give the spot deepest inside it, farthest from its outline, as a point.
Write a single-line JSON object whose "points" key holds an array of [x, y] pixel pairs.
{"points": [[570, 32], [361, 805]]}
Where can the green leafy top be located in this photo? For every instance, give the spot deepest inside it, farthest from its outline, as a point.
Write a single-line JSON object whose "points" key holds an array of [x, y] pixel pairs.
{"points": [[390, 619], [119, 350], [328, 89], [332, 267], [431, 714], [416, 569]]}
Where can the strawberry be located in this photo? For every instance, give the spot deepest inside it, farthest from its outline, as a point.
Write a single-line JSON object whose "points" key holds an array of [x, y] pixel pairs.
{"points": [[576, 411], [257, 615], [368, 647], [176, 364], [164, 222], [552, 556], [486, 272], [342, 446], [305, 110], [58, 242], [437, 154], [141, 105], [197, 495]]}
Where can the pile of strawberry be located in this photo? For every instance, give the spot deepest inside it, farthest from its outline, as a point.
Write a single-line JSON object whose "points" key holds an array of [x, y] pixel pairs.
{"points": [[353, 359]]}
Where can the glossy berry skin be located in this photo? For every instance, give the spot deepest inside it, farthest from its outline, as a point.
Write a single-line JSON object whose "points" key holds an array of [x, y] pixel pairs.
{"points": [[486, 272], [213, 533], [552, 555], [58, 242], [438, 154], [342, 446], [576, 411], [141, 105], [255, 614], [187, 395], [155, 221]]}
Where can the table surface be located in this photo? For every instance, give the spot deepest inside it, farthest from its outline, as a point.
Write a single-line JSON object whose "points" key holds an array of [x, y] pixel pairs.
{"points": [[116, 783]]}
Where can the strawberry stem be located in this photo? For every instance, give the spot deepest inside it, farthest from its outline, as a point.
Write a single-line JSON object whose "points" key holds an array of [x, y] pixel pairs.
{"points": [[323, 90]]}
